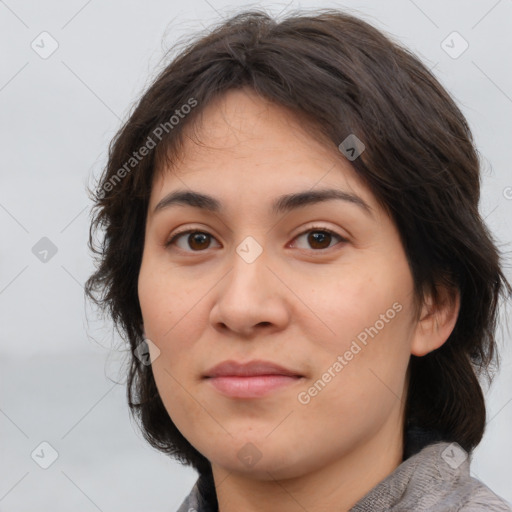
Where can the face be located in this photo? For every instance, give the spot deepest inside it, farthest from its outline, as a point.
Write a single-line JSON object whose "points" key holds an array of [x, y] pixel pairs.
{"points": [[321, 288]]}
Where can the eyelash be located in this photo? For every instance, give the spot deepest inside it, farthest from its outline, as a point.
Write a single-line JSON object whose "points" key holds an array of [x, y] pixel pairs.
{"points": [[320, 229]]}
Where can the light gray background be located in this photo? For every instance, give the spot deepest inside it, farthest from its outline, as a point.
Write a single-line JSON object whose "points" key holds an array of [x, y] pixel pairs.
{"points": [[60, 379]]}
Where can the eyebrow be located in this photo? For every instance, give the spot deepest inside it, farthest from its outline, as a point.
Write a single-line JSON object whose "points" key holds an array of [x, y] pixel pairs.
{"points": [[282, 204]]}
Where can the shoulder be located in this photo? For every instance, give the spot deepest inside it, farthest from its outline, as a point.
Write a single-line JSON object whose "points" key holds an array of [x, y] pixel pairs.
{"points": [[201, 498], [435, 479], [479, 497], [191, 502], [446, 468]]}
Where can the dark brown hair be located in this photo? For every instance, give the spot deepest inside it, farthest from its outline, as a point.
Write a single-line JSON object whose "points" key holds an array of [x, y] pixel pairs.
{"points": [[344, 77]]}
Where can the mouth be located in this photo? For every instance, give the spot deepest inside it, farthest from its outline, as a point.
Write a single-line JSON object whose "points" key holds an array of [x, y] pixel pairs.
{"points": [[254, 379]]}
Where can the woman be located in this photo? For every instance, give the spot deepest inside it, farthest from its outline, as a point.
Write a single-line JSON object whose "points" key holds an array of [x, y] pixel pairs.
{"points": [[294, 252]]}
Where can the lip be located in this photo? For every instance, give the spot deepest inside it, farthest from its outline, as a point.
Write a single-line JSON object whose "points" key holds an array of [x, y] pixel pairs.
{"points": [[253, 379], [249, 369]]}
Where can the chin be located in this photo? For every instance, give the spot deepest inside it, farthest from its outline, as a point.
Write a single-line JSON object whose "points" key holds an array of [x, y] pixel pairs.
{"points": [[264, 469], [261, 458]]}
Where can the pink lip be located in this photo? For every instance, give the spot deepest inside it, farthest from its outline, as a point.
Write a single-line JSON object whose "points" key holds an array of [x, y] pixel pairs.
{"points": [[250, 380], [250, 387]]}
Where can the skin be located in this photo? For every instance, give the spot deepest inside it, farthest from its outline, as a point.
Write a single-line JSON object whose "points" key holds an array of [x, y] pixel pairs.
{"points": [[299, 304]]}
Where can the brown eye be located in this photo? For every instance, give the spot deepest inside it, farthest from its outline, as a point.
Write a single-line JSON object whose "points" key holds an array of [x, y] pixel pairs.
{"points": [[320, 238], [196, 240]]}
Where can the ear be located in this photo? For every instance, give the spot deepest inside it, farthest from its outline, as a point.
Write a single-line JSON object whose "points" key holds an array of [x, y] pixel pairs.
{"points": [[436, 321]]}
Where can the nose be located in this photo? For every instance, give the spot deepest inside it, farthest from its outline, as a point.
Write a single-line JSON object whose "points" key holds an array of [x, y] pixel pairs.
{"points": [[250, 298]]}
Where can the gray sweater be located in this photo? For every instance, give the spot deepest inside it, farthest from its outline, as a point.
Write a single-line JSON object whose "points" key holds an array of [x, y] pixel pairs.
{"points": [[435, 479]]}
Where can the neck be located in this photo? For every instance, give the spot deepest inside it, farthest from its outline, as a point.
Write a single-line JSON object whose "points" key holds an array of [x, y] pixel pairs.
{"points": [[334, 486]]}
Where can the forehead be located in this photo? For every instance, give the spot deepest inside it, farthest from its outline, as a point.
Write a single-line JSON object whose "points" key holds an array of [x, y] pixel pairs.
{"points": [[244, 145]]}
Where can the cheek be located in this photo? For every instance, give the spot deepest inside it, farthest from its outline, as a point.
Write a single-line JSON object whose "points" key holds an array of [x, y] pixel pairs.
{"points": [[367, 312], [165, 300], [176, 370], [351, 303], [358, 383]]}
